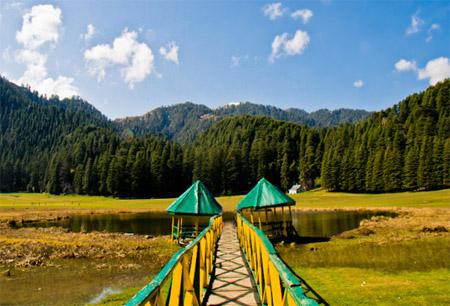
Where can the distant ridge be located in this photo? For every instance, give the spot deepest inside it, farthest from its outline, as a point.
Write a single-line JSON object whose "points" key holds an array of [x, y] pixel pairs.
{"points": [[185, 121]]}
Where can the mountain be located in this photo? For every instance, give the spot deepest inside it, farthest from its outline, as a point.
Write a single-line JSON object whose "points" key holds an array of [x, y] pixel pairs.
{"points": [[30, 127], [183, 122], [405, 147], [67, 146]]}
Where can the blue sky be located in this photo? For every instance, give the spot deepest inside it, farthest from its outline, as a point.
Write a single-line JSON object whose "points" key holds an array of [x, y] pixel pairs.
{"points": [[128, 57]]}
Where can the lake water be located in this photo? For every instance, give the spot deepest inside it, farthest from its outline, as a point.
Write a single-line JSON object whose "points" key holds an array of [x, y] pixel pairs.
{"points": [[307, 223]]}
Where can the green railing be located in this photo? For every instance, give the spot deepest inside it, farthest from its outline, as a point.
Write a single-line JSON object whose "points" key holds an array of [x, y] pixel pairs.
{"points": [[184, 279], [277, 284]]}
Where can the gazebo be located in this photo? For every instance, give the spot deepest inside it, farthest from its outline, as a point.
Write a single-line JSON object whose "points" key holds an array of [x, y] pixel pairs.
{"points": [[195, 202], [266, 198]]}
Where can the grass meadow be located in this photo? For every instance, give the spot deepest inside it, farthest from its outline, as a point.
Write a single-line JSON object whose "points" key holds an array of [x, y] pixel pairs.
{"points": [[311, 199], [386, 261]]}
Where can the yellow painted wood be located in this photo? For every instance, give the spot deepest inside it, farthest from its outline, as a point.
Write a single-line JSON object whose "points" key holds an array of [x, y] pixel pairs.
{"points": [[173, 223], [275, 285], [267, 290], [291, 301], [181, 227], [193, 264], [189, 297], [175, 290], [202, 277]]}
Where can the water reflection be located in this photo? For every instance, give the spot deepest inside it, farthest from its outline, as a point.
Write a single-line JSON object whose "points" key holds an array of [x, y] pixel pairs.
{"points": [[329, 223], [307, 223]]}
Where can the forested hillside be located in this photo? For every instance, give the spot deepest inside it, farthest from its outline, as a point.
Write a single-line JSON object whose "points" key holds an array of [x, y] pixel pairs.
{"points": [[406, 147], [97, 161], [184, 122], [69, 147], [30, 126]]}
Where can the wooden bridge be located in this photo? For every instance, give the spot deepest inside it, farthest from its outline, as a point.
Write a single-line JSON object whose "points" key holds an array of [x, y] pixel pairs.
{"points": [[226, 264]]}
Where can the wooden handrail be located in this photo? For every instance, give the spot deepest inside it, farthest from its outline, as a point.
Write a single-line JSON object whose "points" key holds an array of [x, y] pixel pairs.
{"points": [[277, 285], [186, 276]]}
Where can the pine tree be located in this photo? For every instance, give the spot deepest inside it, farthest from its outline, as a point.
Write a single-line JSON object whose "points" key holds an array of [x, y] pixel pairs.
{"points": [[411, 168], [425, 170], [53, 185], [112, 181], [392, 170], [446, 162], [284, 173], [377, 172]]}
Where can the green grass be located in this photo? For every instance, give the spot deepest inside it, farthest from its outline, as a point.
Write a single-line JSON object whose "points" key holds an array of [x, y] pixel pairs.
{"points": [[323, 199], [310, 199], [396, 263], [120, 298], [39, 201], [409, 255], [355, 286]]}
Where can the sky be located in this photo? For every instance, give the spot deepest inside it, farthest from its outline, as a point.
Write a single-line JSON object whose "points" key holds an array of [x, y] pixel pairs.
{"points": [[129, 57]]}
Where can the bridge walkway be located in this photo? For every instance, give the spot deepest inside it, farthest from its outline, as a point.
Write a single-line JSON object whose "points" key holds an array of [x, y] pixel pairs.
{"points": [[232, 280]]}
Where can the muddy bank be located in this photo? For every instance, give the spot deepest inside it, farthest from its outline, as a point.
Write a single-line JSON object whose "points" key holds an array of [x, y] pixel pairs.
{"points": [[415, 240], [49, 266], [25, 247], [411, 223], [17, 217]]}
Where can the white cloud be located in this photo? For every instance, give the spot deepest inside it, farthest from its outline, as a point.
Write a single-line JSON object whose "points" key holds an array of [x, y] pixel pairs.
{"points": [[135, 58], [39, 26], [36, 76], [415, 25], [432, 28], [282, 45], [358, 84], [405, 65], [170, 53], [274, 10], [435, 70], [235, 61], [90, 31], [304, 15]]}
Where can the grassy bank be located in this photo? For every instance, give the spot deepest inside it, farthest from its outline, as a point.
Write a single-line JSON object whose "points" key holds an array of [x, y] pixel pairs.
{"points": [[385, 261], [399, 261], [48, 266], [36, 205]]}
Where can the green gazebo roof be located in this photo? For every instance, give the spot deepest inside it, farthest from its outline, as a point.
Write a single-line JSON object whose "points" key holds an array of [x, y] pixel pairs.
{"points": [[265, 195], [197, 200]]}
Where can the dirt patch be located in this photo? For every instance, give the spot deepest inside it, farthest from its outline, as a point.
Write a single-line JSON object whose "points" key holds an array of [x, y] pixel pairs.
{"points": [[28, 247], [411, 223]]}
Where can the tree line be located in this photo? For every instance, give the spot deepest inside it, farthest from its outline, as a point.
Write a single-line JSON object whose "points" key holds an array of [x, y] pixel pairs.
{"points": [[405, 147]]}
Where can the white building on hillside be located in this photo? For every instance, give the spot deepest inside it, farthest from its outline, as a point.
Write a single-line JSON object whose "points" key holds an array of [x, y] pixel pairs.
{"points": [[296, 189]]}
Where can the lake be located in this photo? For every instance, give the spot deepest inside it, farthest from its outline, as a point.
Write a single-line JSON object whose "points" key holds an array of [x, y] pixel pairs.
{"points": [[307, 223]]}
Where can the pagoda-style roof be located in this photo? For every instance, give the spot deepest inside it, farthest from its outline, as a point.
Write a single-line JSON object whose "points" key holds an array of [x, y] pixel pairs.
{"points": [[197, 200], [265, 195]]}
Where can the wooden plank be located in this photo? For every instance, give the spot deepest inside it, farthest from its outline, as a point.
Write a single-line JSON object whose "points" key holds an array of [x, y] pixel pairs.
{"points": [[232, 281]]}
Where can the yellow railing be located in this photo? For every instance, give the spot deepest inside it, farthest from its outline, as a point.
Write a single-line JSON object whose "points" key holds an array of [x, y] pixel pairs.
{"points": [[184, 279], [277, 285]]}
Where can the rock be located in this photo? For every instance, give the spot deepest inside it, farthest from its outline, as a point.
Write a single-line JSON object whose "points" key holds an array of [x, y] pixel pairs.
{"points": [[292, 244], [365, 231], [7, 273], [148, 236], [436, 229], [101, 266]]}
